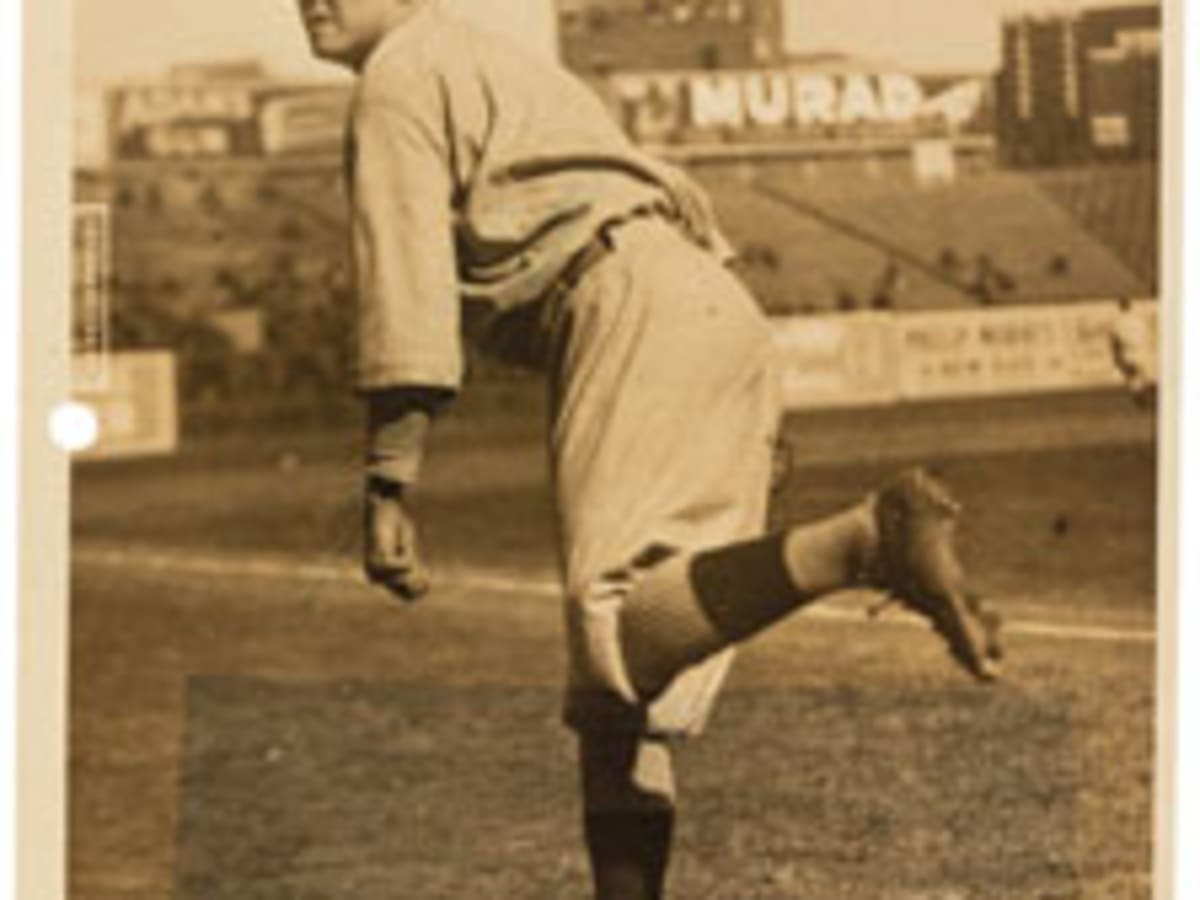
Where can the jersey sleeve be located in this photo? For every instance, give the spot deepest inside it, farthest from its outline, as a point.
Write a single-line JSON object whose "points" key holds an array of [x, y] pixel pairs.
{"points": [[402, 224]]}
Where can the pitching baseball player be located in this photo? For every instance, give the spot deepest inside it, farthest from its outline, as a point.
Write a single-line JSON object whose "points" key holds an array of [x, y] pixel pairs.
{"points": [[476, 170]]}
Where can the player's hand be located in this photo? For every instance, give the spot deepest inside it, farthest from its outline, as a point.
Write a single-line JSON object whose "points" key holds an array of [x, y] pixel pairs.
{"points": [[391, 557]]}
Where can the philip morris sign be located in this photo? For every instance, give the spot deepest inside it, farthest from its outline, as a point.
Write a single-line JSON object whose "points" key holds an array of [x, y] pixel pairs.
{"points": [[798, 103], [1009, 351], [877, 358]]}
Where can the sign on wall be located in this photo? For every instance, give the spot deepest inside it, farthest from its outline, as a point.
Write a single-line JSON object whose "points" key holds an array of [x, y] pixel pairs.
{"points": [[136, 409], [870, 358], [1007, 351], [214, 120], [798, 103], [836, 360]]}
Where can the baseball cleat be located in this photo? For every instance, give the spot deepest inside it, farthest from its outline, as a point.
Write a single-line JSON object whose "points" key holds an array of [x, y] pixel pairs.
{"points": [[916, 563]]}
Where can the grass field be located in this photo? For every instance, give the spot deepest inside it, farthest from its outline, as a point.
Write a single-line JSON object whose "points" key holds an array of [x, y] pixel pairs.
{"points": [[249, 722]]}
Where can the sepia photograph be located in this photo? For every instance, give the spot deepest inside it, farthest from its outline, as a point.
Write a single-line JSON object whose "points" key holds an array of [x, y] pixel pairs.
{"points": [[612, 449]]}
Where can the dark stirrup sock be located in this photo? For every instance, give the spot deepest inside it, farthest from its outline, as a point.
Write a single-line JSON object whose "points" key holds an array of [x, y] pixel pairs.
{"points": [[629, 853], [686, 608]]}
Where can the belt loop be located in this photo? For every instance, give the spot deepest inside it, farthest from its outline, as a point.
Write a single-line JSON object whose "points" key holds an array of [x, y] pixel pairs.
{"points": [[602, 240]]}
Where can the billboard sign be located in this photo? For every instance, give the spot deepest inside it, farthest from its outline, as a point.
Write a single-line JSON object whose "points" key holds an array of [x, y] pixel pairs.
{"points": [[836, 360], [1010, 351], [874, 358], [193, 120], [303, 122], [136, 409], [188, 121], [798, 102]]}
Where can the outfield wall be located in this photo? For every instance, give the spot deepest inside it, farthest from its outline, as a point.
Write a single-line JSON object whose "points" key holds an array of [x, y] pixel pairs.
{"points": [[878, 358], [830, 361]]}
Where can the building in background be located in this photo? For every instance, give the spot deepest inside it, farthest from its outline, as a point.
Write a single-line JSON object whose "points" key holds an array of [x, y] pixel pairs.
{"points": [[601, 36], [1077, 87], [1039, 91], [1123, 46]]}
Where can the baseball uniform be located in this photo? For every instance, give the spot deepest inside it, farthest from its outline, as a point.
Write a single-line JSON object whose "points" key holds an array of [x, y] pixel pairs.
{"points": [[476, 170]]}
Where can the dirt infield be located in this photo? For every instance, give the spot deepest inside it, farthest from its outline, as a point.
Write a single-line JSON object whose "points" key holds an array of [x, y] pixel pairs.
{"points": [[259, 725]]}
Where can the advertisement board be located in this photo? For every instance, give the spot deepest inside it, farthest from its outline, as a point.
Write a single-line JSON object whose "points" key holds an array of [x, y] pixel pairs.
{"points": [[185, 120], [832, 361], [136, 409], [1007, 351], [869, 358], [197, 118], [798, 103]]}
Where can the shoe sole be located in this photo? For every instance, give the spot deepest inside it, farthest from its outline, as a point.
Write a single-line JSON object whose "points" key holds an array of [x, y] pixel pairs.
{"points": [[973, 641], [971, 633]]}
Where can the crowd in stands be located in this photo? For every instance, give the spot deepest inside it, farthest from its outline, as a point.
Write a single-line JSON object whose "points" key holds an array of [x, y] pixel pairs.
{"points": [[982, 281]]}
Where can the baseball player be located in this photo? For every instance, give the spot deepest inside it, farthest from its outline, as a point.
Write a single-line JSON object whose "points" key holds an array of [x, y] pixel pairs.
{"points": [[1133, 352], [478, 171]]}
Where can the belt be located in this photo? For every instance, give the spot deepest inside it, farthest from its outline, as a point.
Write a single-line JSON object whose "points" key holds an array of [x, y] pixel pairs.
{"points": [[599, 246], [528, 335]]}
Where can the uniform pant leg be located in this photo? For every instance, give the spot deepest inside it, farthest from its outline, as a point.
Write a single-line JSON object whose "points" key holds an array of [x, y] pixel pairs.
{"points": [[664, 417]]}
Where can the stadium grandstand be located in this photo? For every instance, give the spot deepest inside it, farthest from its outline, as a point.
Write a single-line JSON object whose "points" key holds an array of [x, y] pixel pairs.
{"points": [[1118, 204], [824, 237]]}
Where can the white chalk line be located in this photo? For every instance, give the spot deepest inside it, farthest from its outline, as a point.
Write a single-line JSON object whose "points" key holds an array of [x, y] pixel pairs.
{"points": [[275, 568], [1057, 885]]}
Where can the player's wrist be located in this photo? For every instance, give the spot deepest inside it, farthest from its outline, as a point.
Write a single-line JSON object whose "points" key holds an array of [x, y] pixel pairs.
{"points": [[398, 425], [392, 468], [385, 488]]}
